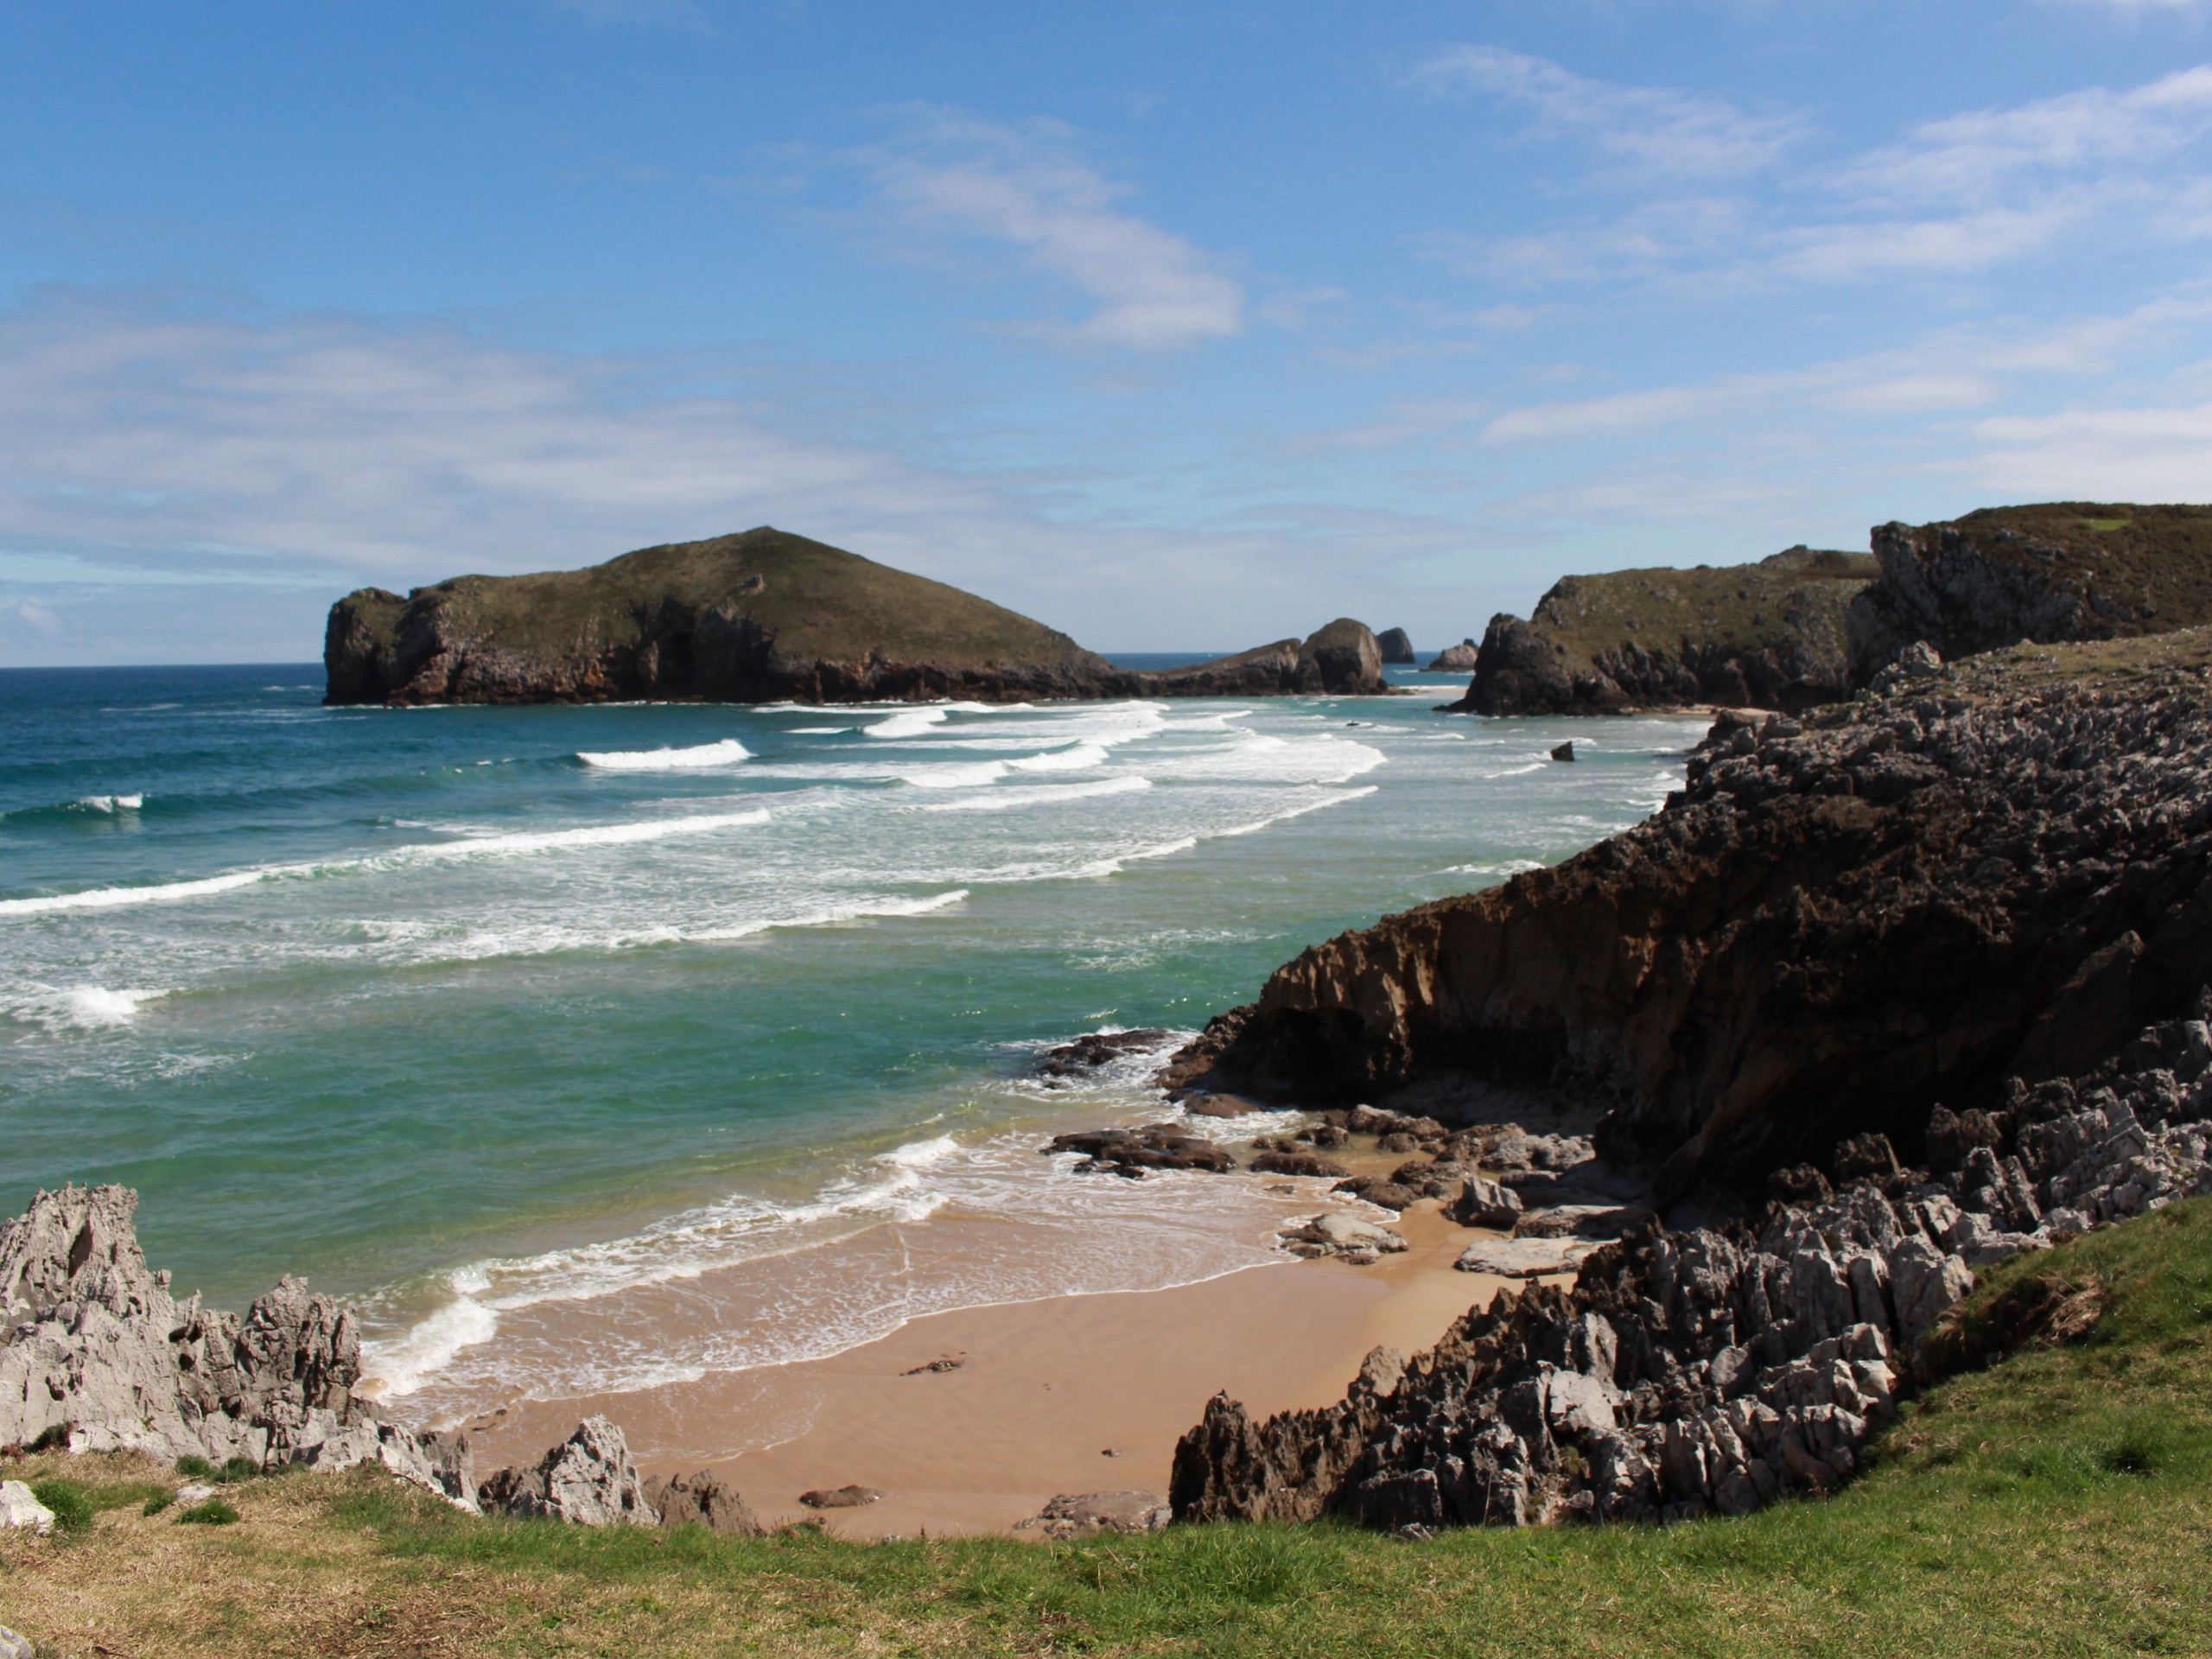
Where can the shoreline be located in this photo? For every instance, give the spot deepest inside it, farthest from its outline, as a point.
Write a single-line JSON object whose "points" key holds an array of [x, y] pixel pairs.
{"points": [[1041, 1393]]}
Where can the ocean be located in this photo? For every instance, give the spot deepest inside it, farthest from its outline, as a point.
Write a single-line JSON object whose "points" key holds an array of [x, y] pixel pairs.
{"points": [[592, 1048]]}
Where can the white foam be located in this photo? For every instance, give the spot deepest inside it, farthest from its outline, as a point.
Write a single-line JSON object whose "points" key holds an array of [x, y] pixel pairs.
{"points": [[1503, 867], [404, 1365], [727, 753], [108, 804], [436, 852], [910, 724], [1003, 800], [1080, 757], [969, 775]]}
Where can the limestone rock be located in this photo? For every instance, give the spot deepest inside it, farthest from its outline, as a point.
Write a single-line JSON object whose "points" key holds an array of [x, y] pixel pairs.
{"points": [[1395, 646], [1300, 1163], [1084, 1515], [13, 1646], [1523, 1258], [588, 1478], [19, 1507], [1455, 659], [1342, 1235]]}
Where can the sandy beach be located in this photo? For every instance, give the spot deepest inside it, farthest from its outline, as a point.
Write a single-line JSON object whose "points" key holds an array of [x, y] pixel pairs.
{"points": [[1068, 1394]]}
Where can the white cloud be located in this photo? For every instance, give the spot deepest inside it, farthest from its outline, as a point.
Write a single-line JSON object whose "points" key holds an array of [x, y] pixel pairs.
{"points": [[1651, 128], [1980, 156], [2141, 454], [1154, 290]]}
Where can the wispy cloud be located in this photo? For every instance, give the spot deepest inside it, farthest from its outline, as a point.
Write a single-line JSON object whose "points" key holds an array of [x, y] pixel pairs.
{"points": [[1024, 188], [1651, 128]]}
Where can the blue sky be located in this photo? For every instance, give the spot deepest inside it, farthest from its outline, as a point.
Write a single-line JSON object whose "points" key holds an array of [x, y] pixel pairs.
{"points": [[1176, 327]]}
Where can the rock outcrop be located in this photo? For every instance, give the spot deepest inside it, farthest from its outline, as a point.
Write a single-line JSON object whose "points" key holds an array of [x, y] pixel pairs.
{"points": [[2064, 571], [1837, 925], [1768, 635], [1139, 1151], [588, 1478], [95, 1346], [1396, 646], [1456, 659], [1715, 1368], [763, 616]]}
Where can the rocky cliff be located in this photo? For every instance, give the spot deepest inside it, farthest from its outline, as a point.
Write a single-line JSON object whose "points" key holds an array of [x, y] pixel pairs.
{"points": [[1998, 870], [763, 616], [1948, 951], [1767, 635], [2062, 571]]}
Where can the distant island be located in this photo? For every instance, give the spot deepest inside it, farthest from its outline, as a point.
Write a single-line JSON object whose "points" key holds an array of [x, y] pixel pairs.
{"points": [[764, 616]]}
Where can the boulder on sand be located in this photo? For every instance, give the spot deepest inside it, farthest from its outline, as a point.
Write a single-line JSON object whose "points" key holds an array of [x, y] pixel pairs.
{"points": [[704, 1499], [1084, 1515]]}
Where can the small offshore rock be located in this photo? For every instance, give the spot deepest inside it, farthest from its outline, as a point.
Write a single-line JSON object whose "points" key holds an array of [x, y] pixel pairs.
{"points": [[19, 1507], [1132, 1152], [840, 1497], [1300, 1163], [1094, 1050], [1564, 752], [1084, 1515]]}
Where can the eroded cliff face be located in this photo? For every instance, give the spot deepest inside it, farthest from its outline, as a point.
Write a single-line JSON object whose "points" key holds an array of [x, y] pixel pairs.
{"points": [[2059, 572], [1838, 924], [1768, 635]]}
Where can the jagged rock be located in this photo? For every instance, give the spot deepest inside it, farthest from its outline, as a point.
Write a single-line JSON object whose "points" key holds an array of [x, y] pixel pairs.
{"points": [[1564, 752], [1524, 1258], [1085, 1514], [1132, 1152], [703, 1499], [588, 1478], [94, 1343], [840, 1497], [13, 1646], [1589, 1221], [19, 1507], [1485, 1204], [1341, 1234], [1713, 1369]]}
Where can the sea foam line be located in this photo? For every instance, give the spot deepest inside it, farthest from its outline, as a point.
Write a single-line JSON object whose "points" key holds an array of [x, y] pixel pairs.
{"points": [[522, 842]]}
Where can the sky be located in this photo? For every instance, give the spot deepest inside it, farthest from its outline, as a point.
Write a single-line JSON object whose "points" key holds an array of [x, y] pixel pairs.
{"points": [[1178, 328]]}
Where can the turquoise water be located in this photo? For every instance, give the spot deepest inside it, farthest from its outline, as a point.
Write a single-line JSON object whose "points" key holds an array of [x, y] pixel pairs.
{"points": [[474, 1012]]}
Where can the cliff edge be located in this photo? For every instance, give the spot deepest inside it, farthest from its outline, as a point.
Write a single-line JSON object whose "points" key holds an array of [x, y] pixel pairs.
{"points": [[1767, 635]]}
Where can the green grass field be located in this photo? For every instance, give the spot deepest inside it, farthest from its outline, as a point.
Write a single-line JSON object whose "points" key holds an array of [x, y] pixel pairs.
{"points": [[2055, 1503]]}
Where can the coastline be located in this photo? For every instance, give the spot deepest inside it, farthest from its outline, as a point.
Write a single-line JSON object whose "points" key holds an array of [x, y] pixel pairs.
{"points": [[1043, 1390]]}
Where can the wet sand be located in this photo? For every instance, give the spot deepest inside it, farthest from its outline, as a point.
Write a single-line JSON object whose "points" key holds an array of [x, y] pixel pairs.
{"points": [[1043, 1391]]}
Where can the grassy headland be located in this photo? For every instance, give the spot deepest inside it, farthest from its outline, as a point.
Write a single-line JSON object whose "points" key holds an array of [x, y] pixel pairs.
{"points": [[2058, 1502]]}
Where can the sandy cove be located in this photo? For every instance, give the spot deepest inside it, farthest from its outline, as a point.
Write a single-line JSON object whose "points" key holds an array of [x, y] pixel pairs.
{"points": [[1043, 1390]]}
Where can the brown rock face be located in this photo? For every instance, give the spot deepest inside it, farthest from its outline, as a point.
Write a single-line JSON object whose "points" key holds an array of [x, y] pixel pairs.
{"points": [[1836, 927], [2061, 571]]}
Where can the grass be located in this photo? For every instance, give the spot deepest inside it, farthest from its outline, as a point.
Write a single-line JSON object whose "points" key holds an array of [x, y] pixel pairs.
{"points": [[2056, 1501], [2154, 561]]}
